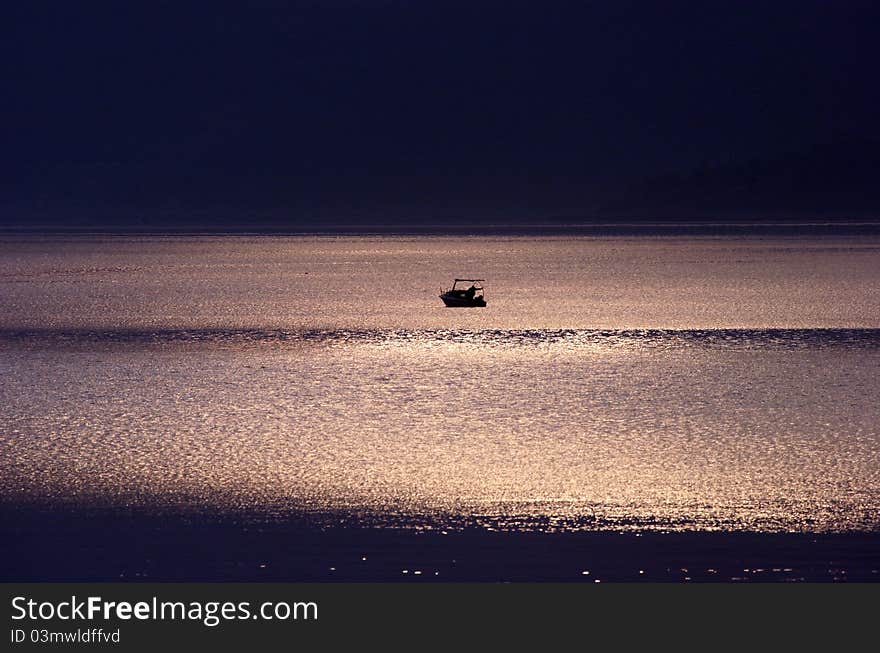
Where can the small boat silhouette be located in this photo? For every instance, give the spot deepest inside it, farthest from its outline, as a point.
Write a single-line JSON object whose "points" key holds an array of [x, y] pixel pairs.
{"points": [[464, 298]]}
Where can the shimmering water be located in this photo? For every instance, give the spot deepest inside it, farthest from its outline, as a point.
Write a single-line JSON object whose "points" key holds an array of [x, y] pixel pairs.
{"points": [[628, 383]]}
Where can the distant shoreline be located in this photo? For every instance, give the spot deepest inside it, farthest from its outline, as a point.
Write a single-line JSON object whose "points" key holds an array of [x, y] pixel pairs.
{"points": [[587, 228]]}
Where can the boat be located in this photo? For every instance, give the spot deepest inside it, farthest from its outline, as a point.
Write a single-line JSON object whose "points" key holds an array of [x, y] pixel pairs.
{"points": [[472, 296]]}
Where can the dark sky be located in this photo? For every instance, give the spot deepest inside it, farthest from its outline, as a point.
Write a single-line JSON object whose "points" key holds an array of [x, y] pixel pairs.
{"points": [[343, 110]]}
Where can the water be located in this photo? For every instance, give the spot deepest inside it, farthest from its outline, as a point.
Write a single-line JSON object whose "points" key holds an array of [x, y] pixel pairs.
{"points": [[612, 383]]}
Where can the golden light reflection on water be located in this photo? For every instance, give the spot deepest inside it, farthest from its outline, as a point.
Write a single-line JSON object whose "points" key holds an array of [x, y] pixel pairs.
{"points": [[142, 282], [509, 431], [612, 383]]}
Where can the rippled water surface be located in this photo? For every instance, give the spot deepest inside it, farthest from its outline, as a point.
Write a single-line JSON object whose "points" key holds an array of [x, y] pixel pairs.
{"points": [[676, 383]]}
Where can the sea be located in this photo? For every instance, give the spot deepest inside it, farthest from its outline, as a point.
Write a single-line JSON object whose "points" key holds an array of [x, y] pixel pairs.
{"points": [[634, 382]]}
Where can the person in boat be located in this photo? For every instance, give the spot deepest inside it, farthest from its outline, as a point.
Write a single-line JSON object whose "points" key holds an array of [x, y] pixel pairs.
{"points": [[470, 292]]}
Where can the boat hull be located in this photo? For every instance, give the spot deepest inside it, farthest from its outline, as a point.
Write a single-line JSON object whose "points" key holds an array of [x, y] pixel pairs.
{"points": [[463, 302]]}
